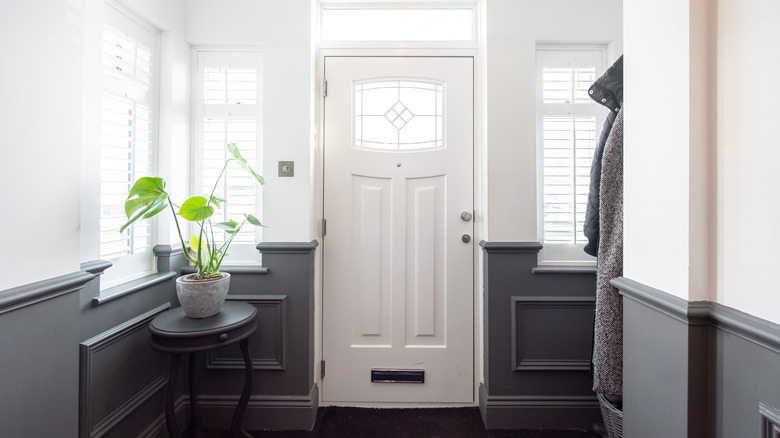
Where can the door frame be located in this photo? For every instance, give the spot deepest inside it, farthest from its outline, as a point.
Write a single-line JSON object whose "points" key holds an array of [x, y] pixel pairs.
{"points": [[479, 161]]}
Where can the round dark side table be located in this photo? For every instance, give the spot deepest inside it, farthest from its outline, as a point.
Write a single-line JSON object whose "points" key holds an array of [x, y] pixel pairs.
{"points": [[175, 333]]}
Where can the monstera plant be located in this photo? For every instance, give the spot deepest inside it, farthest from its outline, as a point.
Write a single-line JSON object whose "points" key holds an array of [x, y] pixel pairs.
{"points": [[148, 197]]}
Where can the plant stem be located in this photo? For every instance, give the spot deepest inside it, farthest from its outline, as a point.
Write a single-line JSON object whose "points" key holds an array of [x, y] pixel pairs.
{"points": [[205, 269], [178, 229], [223, 249]]}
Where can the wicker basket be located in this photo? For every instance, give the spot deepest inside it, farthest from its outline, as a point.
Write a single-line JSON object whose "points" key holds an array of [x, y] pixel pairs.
{"points": [[613, 418]]}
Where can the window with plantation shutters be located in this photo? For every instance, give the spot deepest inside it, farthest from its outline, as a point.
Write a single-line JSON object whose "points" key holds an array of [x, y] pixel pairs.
{"points": [[568, 126], [227, 110], [128, 140]]}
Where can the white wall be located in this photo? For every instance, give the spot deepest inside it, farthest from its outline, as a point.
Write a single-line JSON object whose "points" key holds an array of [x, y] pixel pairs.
{"points": [[656, 144], [701, 151], [748, 155], [40, 137], [513, 30], [282, 30], [668, 225]]}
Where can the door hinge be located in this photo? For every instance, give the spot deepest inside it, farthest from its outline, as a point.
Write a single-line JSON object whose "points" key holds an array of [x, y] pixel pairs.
{"points": [[322, 369], [324, 88], [324, 227]]}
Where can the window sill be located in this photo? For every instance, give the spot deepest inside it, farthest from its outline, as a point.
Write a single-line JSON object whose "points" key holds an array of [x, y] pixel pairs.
{"points": [[573, 270], [122, 290]]}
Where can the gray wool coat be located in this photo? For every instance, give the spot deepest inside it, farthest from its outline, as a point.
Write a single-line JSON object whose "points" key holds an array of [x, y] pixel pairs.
{"points": [[608, 329], [608, 92]]}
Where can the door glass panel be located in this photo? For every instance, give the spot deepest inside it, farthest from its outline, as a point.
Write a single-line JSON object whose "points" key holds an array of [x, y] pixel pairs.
{"points": [[399, 115]]}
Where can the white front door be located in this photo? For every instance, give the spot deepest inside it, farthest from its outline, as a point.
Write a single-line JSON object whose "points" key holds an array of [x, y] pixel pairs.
{"points": [[397, 255]]}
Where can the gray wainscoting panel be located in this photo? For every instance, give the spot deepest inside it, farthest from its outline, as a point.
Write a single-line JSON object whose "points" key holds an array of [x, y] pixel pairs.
{"points": [[655, 367], [770, 421], [538, 339], [34, 293], [119, 373], [39, 360], [269, 342], [284, 393], [561, 319], [264, 412], [121, 377], [696, 369], [747, 380]]}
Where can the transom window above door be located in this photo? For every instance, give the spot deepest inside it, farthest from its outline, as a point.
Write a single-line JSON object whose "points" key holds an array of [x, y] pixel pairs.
{"points": [[367, 22], [399, 114]]}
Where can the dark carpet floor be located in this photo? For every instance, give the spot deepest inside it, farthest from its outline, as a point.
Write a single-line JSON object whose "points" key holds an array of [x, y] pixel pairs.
{"points": [[336, 422]]}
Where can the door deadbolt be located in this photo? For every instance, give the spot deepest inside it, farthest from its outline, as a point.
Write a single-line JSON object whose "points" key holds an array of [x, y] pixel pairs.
{"points": [[466, 216], [465, 238]]}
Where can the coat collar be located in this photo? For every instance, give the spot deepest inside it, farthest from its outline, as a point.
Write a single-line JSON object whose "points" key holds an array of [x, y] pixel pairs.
{"points": [[608, 89]]}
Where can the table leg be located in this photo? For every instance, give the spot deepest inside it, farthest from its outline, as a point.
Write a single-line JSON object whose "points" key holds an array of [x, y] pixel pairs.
{"points": [[238, 416], [170, 393], [194, 423]]}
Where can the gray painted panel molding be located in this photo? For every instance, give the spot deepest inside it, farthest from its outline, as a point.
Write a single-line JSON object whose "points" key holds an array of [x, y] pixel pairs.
{"points": [[659, 300], [33, 293], [511, 247], [274, 330], [559, 357], [722, 361], [159, 428], [133, 286], [286, 247], [264, 412], [167, 250], [256, 270], [96, 267], [564, 270], [770, 421], [282, 347], [537, 341], [749, 327], [536, 412], [90, 351]]}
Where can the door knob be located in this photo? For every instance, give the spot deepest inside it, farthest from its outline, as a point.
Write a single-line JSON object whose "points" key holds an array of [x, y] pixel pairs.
{"points": [[466, 216], [465, 238]]}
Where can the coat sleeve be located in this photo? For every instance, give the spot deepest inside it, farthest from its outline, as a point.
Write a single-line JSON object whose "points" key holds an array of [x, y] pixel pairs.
{"points": [[591, 226], [606, 91]]}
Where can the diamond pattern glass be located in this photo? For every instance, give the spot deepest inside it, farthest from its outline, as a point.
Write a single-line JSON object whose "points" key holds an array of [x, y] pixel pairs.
{"points": [[399, 115]]}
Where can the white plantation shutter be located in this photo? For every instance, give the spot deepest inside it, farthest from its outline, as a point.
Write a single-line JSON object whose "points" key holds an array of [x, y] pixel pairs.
{"points": [[236, 185], [567, 130], [227, 110], [127, 144], [230, 85], [569, 142], [567, 84], [125, 155]]}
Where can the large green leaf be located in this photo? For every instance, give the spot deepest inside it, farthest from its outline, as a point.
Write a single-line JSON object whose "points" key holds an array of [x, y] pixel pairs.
{"points": [[230, 227], [147, 185], [196, 244], [195, 209], [147, 198], [253, 220], [236, 156]]}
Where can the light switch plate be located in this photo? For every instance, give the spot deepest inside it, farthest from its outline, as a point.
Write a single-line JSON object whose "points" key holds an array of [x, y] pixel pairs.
{"points": [[286, 168]]}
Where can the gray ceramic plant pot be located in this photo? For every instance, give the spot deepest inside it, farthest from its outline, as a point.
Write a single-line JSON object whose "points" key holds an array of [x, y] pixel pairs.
{"points": [[202, 298]]}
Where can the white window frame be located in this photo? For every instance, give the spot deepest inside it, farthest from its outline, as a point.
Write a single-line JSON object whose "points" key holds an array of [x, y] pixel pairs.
{"points": [[137, 264], [554, 55], [239, 254], [360, 41]]}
